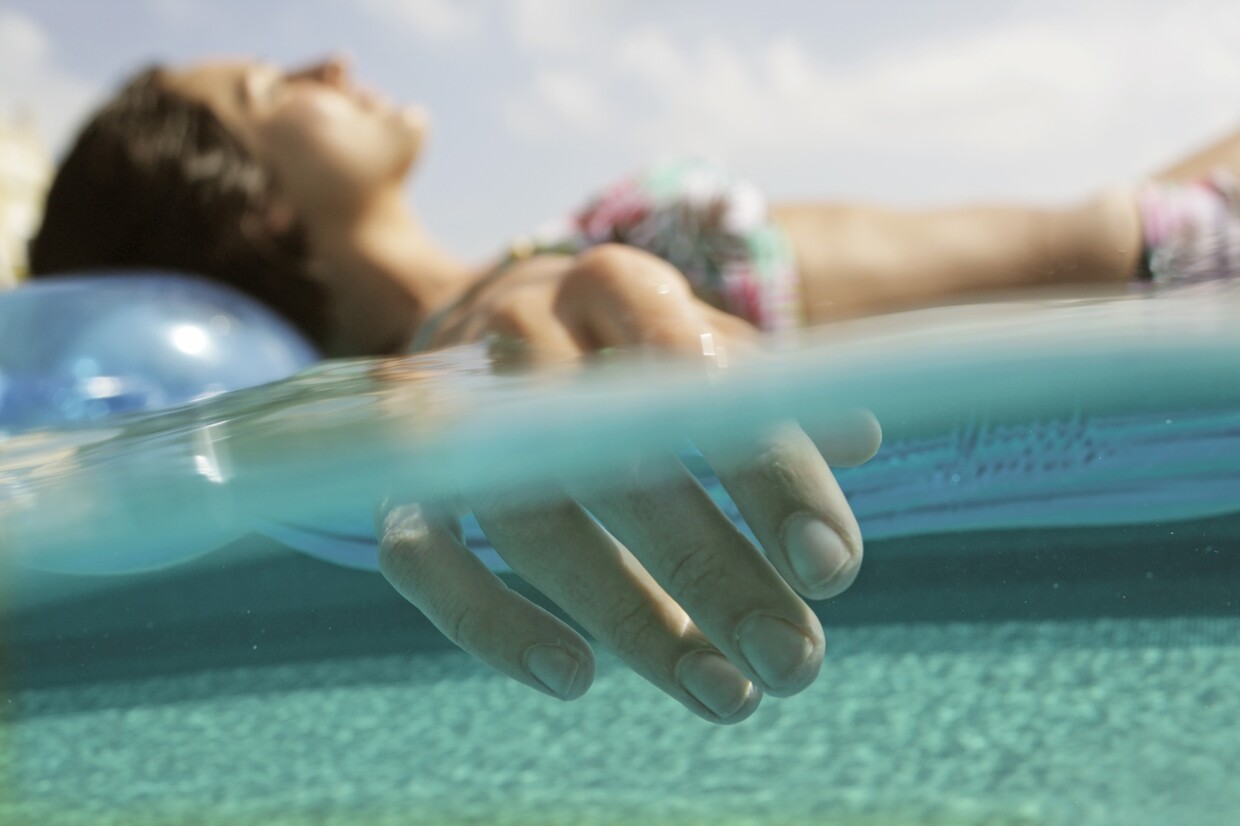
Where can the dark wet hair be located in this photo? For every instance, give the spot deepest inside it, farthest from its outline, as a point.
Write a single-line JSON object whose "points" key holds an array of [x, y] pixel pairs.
{"points": [[155, 180]]}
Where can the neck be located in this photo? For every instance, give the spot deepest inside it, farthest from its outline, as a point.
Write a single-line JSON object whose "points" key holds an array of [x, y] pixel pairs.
{"points": [[386, 276]]}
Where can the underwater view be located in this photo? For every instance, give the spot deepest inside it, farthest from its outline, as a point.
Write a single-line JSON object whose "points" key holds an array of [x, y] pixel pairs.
{"points": [[573, 412], [1044, 630]]}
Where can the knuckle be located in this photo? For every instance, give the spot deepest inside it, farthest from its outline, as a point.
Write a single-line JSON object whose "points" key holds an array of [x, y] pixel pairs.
{"points": [[402, 541], [783, 459], [695, 575], [411, 544], [456, 621], [390, 552], [604, 259], [516, 319], [405, 559], [632, 627], [609, 268]]}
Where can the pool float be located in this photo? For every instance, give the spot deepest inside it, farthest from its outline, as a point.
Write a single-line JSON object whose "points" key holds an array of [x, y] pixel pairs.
{"points": [[1047, 413], [76, 350], [80, 350]]}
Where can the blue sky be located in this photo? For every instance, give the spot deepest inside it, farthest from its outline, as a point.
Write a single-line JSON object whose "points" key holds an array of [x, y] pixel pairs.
{"points": [[537, 102]]}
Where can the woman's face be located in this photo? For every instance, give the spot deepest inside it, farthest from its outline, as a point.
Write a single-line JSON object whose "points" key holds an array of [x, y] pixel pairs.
{"points": [[331, 146]]}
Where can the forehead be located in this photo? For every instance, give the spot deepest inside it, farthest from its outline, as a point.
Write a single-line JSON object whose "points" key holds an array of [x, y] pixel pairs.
{"points": [[219, 84]]}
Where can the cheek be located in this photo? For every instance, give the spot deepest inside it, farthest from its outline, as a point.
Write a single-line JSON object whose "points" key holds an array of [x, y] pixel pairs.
{"points": [[327, 145], [328, 156]]}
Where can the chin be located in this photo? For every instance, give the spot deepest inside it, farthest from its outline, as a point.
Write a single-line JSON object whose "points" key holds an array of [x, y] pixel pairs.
{"points": [[414, 125]]}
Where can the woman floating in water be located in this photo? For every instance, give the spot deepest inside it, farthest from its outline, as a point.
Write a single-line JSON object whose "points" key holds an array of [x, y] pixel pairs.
{"points": [[289, 185]]}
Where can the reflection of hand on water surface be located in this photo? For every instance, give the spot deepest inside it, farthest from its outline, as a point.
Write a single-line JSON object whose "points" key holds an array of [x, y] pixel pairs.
{"points": [[662, 577]]}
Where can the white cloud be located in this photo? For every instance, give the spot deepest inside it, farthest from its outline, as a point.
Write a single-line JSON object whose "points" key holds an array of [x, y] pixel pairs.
{"points": [[1000, 93], [1044, 103], [32, 81], [573, 98], [436, 19], [562, 26], [558, 103]]}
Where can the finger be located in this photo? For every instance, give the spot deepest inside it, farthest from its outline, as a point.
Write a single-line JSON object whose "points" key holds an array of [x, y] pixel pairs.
{"points": [[429, 566], [516, 318], [710, 569], [622, 296], [847, 439], [731, 326], [564, 553], [792, 502], [787, 492], [519, 338]]}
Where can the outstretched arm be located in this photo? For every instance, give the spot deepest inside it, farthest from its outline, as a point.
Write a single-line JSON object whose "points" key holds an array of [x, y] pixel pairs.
{"points": [[858, 260]]}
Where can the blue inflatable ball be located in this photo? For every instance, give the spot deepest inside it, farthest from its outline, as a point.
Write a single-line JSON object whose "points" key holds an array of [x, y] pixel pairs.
{"points": [[76, 349]]}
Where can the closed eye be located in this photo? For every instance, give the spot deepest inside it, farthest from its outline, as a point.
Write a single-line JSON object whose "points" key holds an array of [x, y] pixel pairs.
{"points": [[260, 86]]}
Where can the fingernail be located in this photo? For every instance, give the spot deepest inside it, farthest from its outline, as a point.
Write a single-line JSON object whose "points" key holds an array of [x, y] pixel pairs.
{"points": [[553, 666], [816, 553], [715, 683], [774, 648]]}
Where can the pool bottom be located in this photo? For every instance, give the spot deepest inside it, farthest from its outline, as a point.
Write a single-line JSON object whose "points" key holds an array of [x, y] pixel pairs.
{"points": [[1075, 677], [1087, 721]]}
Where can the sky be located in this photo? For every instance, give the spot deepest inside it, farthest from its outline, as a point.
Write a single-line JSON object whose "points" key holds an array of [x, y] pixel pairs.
{"points": [[537, 103]]}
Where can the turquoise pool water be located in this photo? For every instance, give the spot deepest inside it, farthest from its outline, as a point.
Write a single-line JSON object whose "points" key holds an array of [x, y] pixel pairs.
{"points": [[1080, 679], [1037, 636]]}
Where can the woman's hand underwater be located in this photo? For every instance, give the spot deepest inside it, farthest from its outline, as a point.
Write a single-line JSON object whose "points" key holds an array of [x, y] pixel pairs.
{"points": [[652, 568]]}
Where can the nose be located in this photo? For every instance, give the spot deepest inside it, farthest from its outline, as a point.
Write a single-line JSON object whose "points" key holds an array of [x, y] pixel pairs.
{"points": [[333, 70]]}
